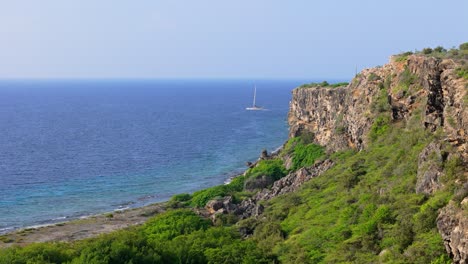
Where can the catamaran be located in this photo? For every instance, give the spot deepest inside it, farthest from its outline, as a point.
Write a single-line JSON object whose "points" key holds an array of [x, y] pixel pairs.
{"points": [[254, 107]]}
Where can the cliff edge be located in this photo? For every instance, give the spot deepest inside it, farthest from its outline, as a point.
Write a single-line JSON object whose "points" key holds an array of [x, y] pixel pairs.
{"points": [[341, 118], [410, 87]]}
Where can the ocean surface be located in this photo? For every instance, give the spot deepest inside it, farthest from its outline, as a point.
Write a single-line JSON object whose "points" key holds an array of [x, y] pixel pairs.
{"points": [[73, 148]]}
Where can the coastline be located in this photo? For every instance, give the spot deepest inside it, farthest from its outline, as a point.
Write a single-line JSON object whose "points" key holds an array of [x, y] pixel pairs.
{"points": [[89, 226], [93, 225], [82, 228]]}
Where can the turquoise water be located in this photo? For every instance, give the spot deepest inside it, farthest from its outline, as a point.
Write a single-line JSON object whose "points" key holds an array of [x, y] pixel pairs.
{"points": [[76, 148]]}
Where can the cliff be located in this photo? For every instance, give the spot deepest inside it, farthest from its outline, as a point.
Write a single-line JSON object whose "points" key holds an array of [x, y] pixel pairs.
{"points": [[373, 172], [408, 88], [341, 118]]}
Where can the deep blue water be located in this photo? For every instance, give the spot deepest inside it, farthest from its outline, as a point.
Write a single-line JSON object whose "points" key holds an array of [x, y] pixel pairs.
{"points": [[75, 148]]}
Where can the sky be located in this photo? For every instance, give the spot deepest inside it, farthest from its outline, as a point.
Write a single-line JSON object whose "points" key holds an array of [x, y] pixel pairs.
{"points": [[251, 39]]}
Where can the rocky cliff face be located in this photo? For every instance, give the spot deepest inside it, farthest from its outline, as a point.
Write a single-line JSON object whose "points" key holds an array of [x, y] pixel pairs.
{"points": [[425, 88], [341, 118], [453, 226]]}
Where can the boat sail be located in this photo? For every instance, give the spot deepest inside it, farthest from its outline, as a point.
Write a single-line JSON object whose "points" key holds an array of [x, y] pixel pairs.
{"points": [[254, 106]]}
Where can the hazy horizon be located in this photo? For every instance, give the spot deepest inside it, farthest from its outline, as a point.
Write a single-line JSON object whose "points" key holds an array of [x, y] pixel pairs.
{"points": [[208, 39]]}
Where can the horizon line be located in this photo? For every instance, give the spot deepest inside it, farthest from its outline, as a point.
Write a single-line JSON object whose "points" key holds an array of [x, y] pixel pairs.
{"points": [[168, 78]]}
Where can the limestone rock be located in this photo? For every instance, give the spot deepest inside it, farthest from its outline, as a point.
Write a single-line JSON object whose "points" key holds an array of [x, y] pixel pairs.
{"points": [[256, 183], [341, 118], [452, 223], [289, 183], [430, 169]]}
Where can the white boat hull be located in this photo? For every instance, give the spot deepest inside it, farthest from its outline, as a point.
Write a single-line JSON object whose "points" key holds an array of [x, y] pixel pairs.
{"points": [[254, 108]]}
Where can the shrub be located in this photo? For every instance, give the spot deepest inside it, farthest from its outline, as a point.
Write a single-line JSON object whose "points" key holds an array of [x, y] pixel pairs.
{"points": [[183, 197], [440, 49], [335, 85], [38, 253], [200, 198], [427, 51], [406, 78], [380, 104], [403, 57], [313, 84], [379, 127], [174, 223], [462, 73], [324, 84], [179, 200], [373, 77], [464, 46], [272, 168], [306, 155]]}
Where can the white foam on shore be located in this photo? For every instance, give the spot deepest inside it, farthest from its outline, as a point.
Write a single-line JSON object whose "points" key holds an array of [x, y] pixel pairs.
{"points": [[5, 230], [121, 209]]}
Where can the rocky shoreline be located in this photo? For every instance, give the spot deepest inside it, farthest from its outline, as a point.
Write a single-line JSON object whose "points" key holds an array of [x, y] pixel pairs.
{"points": [[82, 228], [93, 225]]}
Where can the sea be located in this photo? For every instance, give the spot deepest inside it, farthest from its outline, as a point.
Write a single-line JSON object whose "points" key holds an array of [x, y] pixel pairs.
{"points": [[75, 148]]}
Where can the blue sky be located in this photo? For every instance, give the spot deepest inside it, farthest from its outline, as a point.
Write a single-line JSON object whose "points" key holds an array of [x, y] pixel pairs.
{"points": [[218, 39]]}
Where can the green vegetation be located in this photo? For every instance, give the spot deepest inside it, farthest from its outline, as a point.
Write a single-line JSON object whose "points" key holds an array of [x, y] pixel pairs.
{"points": [[427, 51], [440, 49], [380, 104], [264, 175], [200, 198], [403, 57], [439, 52], [362, 210], [304, 154], [178, 236], [324, 84], [273, 168], [464, 46], [462, 72], [405, 80], [379, 127], [335, 85], [373, 77]]}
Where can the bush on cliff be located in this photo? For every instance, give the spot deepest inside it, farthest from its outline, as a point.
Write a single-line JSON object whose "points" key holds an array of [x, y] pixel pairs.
{"points": [[200, 198], [464, 46], [304, 153], [264, 174], [323, 84], [273, 168], [427, 51]]}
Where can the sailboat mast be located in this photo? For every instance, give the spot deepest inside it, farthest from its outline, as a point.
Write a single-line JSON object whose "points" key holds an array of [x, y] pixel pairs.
{"points": [[255, 93]]}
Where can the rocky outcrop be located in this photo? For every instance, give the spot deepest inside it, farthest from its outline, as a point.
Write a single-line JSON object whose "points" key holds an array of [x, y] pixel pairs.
{"points": [[319, 111], [251, 207], [341, 118], [452, 223], [430, 168], [259, 182], [290, 183]]}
